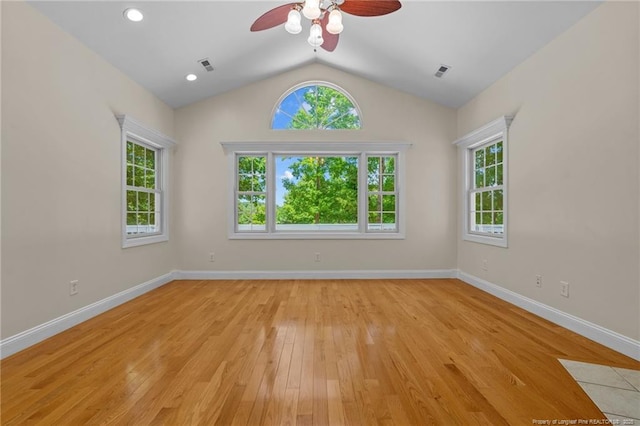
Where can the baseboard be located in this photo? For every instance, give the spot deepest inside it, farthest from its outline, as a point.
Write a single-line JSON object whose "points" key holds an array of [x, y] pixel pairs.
{"points": [[312, 275], [606, 337], [34, 335]]}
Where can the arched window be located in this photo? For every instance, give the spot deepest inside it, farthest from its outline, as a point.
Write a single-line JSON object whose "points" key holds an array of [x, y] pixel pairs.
{"points": [[316, 106]]}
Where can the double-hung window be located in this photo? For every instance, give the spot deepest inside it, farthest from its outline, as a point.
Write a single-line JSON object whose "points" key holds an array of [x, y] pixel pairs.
{"points": [[145, 155], [484, 167], [313, 190]]}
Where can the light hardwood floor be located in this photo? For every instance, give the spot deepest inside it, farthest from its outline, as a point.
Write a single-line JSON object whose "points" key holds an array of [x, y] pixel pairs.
{"points": [[331, 352]]}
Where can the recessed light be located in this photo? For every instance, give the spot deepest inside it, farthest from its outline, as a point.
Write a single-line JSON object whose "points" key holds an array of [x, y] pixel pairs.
{"points": [[134, 15], [191, 77]]}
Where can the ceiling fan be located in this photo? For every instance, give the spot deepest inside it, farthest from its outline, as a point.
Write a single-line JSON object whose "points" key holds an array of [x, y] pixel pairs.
{"points": [[324, 14]]}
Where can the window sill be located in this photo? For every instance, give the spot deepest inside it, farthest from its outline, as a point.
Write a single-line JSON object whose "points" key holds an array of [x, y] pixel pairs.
{"points": [[143, 241], [316, 236], [482, 239]]}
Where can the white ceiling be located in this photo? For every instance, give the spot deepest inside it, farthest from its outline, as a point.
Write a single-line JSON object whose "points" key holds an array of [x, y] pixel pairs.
{"points": [[480, 40]]}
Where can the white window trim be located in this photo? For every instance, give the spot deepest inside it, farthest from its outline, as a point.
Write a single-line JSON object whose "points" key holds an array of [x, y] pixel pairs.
{"points": [[493, 131], [272, 149], [135, 131]]}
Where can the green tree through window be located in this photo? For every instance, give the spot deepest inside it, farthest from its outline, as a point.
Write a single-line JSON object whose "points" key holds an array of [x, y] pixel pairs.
{"points": [[316, 190], [316, 106], [320, 190]]}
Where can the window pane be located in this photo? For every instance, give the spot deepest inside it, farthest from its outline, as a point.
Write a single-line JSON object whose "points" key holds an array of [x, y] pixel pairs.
{"points": [[497, 218], [143, 201], [316, 193], [259, 165], [150, 179], [479, 181], [316, 107], [374, 182], [251, 212], [245, 165], [129, 152], [150, 159], [130, 175], [486, 218], [389, 203], [389, 165], [152, 202], [490, 179], [478, 203], [143, 219], [388, 183], [479, 160], [245, 210], [374, 165], [375, 217], [258, 183], [244, 183], [259, 208], [389, 218], [132, 201], [139, 155], [132, 219], [490, 153], [486, 201], [499, 152], [497, 200], [375, 203], [138, 176], [499, 180]]}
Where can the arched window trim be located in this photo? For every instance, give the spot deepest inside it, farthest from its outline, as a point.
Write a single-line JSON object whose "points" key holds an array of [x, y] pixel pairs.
{"points": [[315, 83]]}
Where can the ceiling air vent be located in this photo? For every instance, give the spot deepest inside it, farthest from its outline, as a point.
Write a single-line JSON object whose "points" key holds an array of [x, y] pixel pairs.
{"points": [[442, 70], [206, 64]]}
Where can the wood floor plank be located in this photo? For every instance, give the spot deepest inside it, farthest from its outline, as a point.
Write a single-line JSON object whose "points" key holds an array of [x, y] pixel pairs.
{"points": [[304, 352]]}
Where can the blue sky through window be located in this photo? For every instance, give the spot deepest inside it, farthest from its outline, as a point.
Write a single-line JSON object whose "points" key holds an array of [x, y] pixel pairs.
{"points": [[288, 108], [282, 172]]}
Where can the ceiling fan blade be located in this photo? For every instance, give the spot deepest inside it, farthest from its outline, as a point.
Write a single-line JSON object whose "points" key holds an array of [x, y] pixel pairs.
{"points": [[330, 40], [273, 18], [370, 7]]}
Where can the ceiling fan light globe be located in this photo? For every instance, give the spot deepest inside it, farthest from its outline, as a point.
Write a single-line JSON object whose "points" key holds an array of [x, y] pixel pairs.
{"points": [[293, 22], [315, 41], [335, 22], [311, 9], [293, 28], [315, 35]]}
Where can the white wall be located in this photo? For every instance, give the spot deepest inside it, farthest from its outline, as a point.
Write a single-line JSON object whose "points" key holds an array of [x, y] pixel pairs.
{"points": [[574, 180], [61, 173], [573, 164], [245, 115]]}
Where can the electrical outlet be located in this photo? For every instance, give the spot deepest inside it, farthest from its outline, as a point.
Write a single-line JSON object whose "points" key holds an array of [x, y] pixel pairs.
{"points": [[538, 280], [317, 257], [564, 288], [485, 265], [73, 287], [212, 257]]}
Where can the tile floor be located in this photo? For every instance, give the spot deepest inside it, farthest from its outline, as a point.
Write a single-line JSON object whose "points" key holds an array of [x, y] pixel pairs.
{"points": [[616, 391]]}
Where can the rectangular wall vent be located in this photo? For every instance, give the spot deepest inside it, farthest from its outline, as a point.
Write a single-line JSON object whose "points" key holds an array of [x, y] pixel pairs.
{"points": [[442, 70], [206, 64]]}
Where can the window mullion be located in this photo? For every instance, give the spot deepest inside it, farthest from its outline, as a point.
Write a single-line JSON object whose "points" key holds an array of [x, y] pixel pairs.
{"points": [[271, 194], [363, 192]]}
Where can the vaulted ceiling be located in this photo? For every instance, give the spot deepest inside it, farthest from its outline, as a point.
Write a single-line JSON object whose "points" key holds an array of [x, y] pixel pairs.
{"points": [[481, 41]]}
